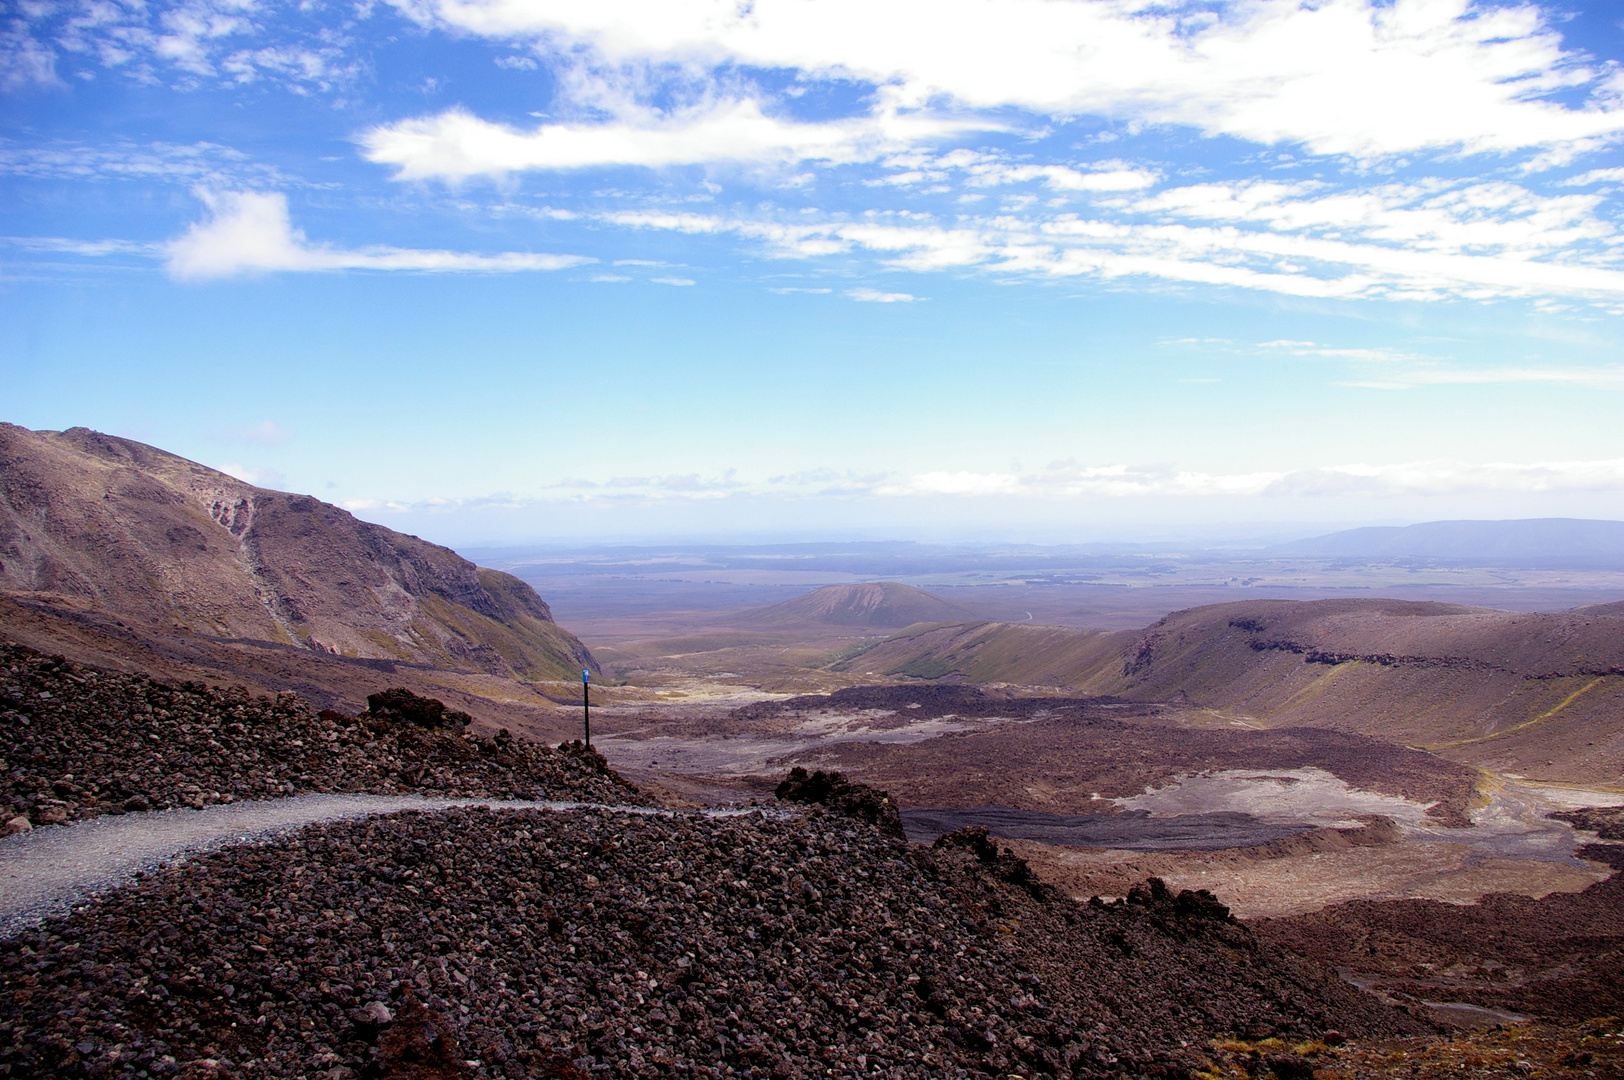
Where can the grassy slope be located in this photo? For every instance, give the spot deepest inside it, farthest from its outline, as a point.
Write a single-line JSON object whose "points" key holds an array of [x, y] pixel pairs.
{"points": [[1541, 695]]}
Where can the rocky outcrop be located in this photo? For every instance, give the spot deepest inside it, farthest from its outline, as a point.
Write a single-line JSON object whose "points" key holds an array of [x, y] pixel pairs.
{"points": [[170, 545], [836, 792], [398, 703]]}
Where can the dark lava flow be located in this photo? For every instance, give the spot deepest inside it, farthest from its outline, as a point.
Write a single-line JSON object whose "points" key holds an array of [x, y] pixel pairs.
{"points": [[1135, 830]]}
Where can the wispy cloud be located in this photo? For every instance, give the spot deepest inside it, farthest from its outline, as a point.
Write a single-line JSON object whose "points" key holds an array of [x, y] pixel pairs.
{"points": [[1421, 242], [455, 144], [875, 296]]}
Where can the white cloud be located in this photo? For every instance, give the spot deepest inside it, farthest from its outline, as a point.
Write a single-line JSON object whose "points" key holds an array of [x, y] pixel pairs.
{"points": [[250, 232], [956, 483], [205, 163], [1340, 77], [1595, 176], [93, 248], [455, 144], [875, 296], [673, 281]]}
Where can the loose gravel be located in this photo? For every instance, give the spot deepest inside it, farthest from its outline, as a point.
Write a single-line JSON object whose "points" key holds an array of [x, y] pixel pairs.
{"points": [[536, 943]]}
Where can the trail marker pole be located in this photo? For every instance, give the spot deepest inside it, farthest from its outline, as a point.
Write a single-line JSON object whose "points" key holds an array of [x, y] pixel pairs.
{"points": [[586, 707]]}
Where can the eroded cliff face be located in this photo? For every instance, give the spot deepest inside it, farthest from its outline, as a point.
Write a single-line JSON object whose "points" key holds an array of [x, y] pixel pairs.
{"points": [[171, 545]]}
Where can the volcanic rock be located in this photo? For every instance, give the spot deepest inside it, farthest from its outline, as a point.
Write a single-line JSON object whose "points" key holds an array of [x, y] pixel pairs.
{"points": [[762, 945], [80, 742], [399, 703]]}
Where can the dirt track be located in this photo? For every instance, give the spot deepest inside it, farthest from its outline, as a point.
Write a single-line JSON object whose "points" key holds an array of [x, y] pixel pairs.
{"points": [[45, 872]]}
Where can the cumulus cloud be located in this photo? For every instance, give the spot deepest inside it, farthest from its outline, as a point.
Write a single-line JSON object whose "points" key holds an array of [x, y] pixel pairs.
{"points": [[250, 232], [1339, 77]]}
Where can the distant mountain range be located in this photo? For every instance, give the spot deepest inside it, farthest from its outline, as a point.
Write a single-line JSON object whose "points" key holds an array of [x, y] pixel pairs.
{"points": [[1558, 543], [158, 544]]}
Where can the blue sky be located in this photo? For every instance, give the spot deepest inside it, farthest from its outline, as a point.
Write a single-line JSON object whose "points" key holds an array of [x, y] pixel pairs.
{"points": [[508, 270]]}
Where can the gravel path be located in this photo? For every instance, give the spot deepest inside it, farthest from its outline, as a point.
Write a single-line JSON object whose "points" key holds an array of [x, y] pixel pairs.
{"points": [[48, 871]]}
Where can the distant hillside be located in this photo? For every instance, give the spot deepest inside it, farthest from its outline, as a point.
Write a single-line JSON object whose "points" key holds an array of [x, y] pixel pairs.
{"points": [[993, 652], [1536, 694], [884, 604], [1534, 542], [170, 546]]}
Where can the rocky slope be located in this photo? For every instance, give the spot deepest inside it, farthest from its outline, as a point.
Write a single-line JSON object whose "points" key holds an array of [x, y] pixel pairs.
{"points": [[1537, 694], [168, 545], [78, 742], [527, 943]]}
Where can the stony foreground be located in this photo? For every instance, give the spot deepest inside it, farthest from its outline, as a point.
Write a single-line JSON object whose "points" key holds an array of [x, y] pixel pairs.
{"points": [[587, 943], [78, 742]]}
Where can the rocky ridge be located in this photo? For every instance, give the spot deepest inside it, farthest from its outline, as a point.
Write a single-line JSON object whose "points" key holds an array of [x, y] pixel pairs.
{"points": [[79, 742], [545, 944]]}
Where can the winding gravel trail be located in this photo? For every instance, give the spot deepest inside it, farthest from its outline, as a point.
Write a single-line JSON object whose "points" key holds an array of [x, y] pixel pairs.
{"points": [[48, 871]]}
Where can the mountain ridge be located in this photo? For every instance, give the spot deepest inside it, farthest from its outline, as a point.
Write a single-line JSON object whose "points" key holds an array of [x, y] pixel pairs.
{"points": [[111, 524]]}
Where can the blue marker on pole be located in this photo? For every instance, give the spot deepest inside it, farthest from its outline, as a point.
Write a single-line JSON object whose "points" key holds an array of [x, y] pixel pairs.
{"points": [[586, 707]]}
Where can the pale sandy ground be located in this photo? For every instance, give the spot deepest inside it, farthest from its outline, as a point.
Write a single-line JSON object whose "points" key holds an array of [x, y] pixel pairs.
{"points": [[1512, 846]]}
